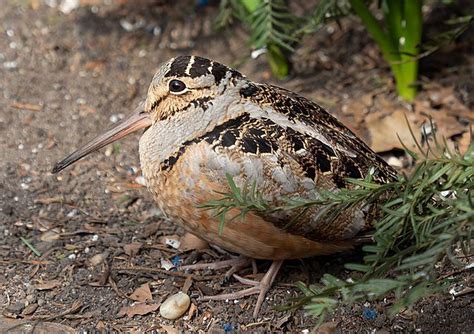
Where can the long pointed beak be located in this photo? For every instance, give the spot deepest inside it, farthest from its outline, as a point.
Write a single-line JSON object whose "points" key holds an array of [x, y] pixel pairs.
{"points": [[136, 121]]}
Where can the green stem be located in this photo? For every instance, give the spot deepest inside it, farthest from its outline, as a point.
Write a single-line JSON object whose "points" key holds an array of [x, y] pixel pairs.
{"points": [[399, 43], [275, 56], [411, 28], [251, 5], [388, 48]]}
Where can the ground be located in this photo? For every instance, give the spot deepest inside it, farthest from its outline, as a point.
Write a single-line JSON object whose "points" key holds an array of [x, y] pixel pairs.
{"points": [[67, 77]]}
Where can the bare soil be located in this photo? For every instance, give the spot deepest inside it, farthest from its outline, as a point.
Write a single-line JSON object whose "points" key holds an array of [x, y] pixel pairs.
{"points": [[67, 77]]}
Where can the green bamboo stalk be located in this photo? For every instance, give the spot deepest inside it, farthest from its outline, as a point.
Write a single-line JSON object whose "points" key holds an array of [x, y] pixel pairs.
{"points": [[275, 57], [388, 48], [412, 28], [399, 43], [251, 5]]}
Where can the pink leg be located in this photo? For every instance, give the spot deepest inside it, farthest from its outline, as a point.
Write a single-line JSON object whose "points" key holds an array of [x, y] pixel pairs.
{"points": [[261, 288], [236, 264]]}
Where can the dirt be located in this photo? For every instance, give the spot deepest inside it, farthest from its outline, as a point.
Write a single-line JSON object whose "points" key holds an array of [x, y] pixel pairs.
{"points": [[66, 77]]}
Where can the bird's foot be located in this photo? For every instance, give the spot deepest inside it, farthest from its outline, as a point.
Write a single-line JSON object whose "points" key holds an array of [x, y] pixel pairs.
{"points": [[261, 288], [235, 264]]}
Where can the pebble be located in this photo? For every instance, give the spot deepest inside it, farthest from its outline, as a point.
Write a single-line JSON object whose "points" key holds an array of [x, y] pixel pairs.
{"points": [[10, 64], [175, 306]]}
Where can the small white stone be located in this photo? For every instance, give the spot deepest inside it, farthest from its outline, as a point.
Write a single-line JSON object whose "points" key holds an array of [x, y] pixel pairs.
{"points": [[72, 213], [114, 118], [68, 6], [175, 306], [140, 180]]}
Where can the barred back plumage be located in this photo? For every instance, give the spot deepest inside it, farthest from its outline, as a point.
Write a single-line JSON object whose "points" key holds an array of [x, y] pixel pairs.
{"points": [[205, 122]]}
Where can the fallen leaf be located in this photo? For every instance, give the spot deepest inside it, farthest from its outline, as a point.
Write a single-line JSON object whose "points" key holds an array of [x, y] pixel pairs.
{"points": [[30, 309], [190, 242], [170, 329], [149, 229], [98, 259], [187, 284], [137, 309], [464, 142], [49, 236], [283, 320], [328, 328], [25, 326], [49, 285], [132, 249], [101, 326], [142, 293], [386, 131], [192, 309]]}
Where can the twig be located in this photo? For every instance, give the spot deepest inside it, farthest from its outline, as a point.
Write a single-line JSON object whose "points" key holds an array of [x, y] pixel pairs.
{"points": [[116, 289], [167, 273], [26, 106], [76, 305]]}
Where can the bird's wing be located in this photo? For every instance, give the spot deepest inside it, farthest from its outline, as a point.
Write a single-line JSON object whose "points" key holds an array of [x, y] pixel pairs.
{"points": [[316, 139]]}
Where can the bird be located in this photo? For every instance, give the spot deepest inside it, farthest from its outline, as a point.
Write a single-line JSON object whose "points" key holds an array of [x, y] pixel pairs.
{"points": [[205, 122]]}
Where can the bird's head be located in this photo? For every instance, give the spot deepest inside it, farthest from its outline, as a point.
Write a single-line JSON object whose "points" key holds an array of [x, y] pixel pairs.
{"points": [[180, 84], [185, 82]]}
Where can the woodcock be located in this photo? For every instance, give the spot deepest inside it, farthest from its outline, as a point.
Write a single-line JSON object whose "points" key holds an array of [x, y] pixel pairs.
{"points": [[205, 121]]}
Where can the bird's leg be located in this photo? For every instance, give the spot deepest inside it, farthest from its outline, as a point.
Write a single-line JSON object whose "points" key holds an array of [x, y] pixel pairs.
{"points": [[235, 264], [261, 288]]}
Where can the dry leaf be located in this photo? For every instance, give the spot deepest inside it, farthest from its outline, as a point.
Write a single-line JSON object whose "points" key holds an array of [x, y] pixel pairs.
{"points": [[464, 142], [49, 236], [25, 326], [133, 248], [190, 242], [170, 329], [98, 259], [187, 284], [142, 293], [101, 326], [192, 309], [328, 328], [49, 285], [385, 130], [149, 229], [137, 309]]}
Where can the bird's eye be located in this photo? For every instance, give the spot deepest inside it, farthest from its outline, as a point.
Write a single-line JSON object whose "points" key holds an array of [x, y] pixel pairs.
{"points": [[177, 86]]}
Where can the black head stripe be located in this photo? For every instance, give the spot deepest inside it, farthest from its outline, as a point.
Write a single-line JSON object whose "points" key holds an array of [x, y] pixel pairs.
{"points": [[178, 67], [219, 71], [200, 67], [193, 67]]}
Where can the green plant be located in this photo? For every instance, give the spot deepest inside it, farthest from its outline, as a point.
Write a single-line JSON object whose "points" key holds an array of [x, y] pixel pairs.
{"points": [[273, 26], [426, 217], [399, 41]]}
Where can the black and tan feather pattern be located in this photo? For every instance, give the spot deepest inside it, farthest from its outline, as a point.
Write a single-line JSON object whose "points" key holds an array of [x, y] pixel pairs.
{"points": [[258, 133], [205, 121], [355, 158]]}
